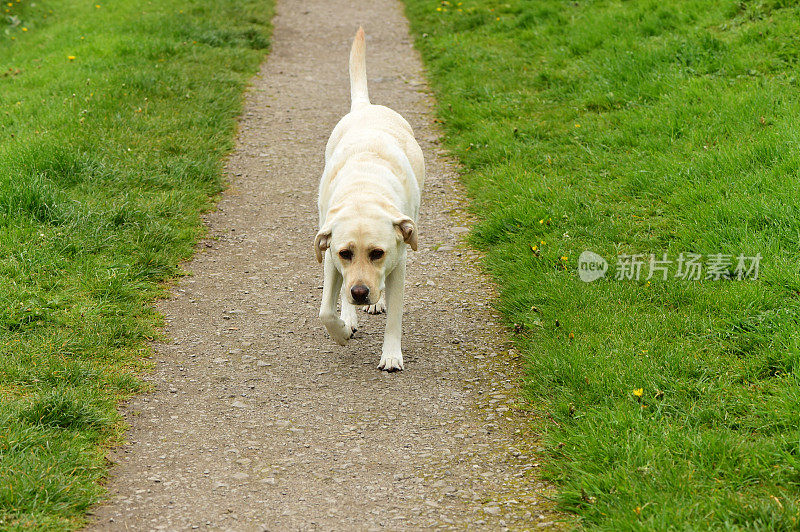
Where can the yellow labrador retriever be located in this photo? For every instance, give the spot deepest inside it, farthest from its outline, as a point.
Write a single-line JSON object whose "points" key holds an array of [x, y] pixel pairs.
{"points": [[368, 206]]}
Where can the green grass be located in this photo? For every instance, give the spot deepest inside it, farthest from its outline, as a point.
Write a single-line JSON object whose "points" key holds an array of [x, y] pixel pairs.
{"points": [[114, 119], [639, 127]]}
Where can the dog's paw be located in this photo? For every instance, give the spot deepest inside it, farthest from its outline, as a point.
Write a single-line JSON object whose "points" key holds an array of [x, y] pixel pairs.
{"points": [[352, 325], [339, 331], [377, 308], [393, 362], [350, 318]]}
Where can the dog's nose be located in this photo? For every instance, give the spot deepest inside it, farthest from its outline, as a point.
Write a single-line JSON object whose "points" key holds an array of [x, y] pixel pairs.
{"points": [[360, 293]]}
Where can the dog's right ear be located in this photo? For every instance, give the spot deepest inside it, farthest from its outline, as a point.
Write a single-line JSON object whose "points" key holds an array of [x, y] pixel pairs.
{"points": [[322, 242]]}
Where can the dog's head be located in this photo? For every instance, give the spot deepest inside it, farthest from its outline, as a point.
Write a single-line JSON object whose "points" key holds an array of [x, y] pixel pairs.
{"points": [[365, 245]]}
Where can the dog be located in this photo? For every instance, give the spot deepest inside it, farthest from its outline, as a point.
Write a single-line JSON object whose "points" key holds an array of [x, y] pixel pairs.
{"points": [[369, 198]]}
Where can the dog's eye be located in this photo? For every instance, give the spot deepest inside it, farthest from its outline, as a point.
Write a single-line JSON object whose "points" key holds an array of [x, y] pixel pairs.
{"points": [[346, 254], [375, 254]]}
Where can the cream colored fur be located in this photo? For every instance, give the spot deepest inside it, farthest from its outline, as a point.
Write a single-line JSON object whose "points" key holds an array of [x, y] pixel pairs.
{"points": [[369, 199]]}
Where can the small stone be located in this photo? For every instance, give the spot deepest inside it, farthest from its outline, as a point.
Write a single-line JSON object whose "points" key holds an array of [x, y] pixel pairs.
{"points": [[491, 510]]}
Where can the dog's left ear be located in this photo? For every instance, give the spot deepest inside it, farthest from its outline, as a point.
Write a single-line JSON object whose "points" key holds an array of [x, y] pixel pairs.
{"points": [[322, 242], [408, 231]]}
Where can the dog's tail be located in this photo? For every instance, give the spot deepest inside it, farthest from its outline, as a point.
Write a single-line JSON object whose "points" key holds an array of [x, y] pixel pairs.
{"points": [[359, 95]]}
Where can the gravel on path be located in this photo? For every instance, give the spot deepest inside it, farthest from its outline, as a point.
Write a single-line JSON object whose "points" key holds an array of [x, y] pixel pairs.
{"points": [[258, 420]]}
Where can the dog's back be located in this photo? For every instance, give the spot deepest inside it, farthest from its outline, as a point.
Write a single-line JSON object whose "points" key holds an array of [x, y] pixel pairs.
{"points": [[364, 117]]}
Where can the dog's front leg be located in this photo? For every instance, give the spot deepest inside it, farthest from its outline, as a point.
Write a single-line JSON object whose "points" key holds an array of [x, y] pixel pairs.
{"points": [[349, 314], [331, 286], [392, 354]]}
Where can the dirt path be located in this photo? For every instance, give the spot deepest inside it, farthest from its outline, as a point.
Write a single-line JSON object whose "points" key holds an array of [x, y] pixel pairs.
{"points": [[259, 420]]}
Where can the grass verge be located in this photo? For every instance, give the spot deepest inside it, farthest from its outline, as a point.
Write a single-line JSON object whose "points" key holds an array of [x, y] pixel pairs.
{"points": [[114, 120], [640, 128]]}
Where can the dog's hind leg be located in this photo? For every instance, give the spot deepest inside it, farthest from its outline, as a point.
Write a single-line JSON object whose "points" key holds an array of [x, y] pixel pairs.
{"points": [[377, 308], [331, 287], [349, 314], [392, 354]]}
